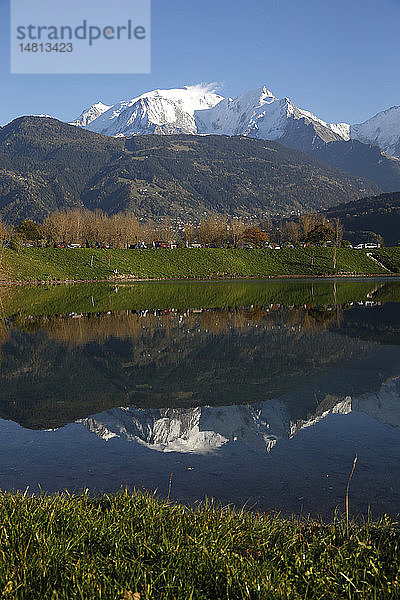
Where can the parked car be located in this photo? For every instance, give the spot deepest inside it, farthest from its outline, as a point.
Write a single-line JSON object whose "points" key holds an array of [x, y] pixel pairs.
{"points": [[160, 244]]}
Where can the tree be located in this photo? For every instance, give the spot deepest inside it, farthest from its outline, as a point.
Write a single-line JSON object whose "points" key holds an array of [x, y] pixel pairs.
{"points": [[254, 236], [205, 232], [132, 228], [16, 243], [148, 233], [30, 231], [338, 235], [338, 232], [213, 231], [311, 221], [237, 231], [267, 226], [56, 226], [96, 224], [291, 231], [165, 230], [320, 233], [189, 233]]}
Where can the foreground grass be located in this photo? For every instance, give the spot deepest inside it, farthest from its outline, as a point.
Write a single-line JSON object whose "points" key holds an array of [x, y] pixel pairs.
{"points": [[84, 263], [126, 545]]}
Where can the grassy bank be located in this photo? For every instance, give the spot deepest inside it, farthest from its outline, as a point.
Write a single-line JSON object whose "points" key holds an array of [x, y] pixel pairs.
{"points": [[120, 545], [44, 264]]}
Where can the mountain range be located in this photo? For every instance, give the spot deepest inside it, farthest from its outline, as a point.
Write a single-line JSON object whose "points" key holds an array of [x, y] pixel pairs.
{"points": [[256, 113], [370, 149], [190, 152]]}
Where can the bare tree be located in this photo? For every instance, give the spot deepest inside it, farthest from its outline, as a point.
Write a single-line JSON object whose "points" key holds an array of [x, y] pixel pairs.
{"points": [[267, 226], [189, 233], [94, 227], [205, 232], [132, 228], [56, 226], [338, 235], [311, 221], [148, 233], [237, 231], [165, 230], [213, 230], [291, 231]]}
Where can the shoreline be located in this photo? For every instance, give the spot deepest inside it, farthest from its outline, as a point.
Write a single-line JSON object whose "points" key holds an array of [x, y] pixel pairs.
{"points": [[116, 280]]}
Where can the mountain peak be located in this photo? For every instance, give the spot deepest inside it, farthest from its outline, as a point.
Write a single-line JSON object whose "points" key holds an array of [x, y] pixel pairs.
{"points": [[268, 92], [383, 130], [157, 111], [90, 114]]}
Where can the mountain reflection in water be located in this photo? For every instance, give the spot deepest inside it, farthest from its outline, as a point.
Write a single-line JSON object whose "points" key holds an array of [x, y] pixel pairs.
{"points": [[231, 386]]}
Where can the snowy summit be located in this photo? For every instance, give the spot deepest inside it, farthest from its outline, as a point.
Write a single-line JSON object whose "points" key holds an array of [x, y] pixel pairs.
{"points": [[257, 113]]}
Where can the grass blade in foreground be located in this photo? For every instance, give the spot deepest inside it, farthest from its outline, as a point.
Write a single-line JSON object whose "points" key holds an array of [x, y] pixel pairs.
{"points": [[121, 545]]}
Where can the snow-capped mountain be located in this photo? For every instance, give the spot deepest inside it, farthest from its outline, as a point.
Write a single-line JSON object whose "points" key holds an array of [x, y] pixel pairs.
{"points": [[159, 111], [382, 130], [90, 114], [199, 430], [198, 110], [257, 113], [260, 114], [259, 426]]}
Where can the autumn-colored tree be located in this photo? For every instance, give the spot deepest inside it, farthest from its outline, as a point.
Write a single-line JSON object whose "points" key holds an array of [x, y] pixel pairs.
{"points": [[254, 236]]}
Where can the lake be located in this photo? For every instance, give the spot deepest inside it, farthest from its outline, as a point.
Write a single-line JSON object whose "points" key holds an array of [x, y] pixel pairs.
{"points": [[255, 393]]}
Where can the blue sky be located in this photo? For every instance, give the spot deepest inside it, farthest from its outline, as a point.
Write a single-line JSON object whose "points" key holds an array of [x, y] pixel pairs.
{"points": [[339, 59]]}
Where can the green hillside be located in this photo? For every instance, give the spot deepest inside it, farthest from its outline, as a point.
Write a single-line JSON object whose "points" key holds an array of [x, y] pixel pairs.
{"points": [[46, 264], [46, 164]]}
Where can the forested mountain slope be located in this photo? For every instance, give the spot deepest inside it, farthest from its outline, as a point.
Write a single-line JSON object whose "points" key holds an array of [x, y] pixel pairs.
{"points": [[46, 164]]}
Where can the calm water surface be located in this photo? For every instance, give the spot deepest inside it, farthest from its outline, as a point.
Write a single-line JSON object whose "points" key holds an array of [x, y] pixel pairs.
{"points": [[250, 392]]}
